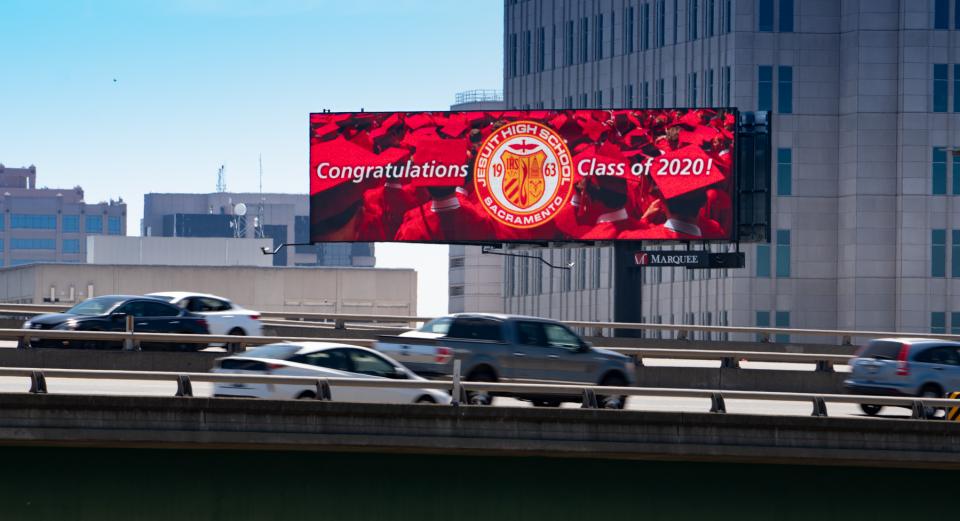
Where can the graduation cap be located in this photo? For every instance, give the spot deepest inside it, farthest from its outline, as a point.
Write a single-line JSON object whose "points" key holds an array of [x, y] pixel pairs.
{"points": [[418, 120], [455, 126], [387, 126], [676, 185]]}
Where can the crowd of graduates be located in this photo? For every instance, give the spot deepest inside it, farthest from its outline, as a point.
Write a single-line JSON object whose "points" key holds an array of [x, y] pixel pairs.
{"points": [[655, 205]]}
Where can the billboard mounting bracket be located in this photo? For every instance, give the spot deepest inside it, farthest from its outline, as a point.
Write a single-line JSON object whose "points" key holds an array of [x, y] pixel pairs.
{"points": [[488, 250]]}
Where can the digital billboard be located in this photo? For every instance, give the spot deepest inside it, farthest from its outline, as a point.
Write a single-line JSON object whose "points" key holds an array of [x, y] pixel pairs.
{"points": [[522, 175]]}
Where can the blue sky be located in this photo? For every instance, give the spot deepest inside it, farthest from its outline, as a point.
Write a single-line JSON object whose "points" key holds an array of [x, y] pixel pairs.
{"points": [[209, 82]]}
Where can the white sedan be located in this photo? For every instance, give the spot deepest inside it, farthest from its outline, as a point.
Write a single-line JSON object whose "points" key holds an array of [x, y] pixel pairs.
{"points": [[321, 360], [224, 317]]}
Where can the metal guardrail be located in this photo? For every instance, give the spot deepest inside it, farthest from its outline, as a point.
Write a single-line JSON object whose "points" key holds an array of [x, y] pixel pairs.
{"points": [[731, 359], [591, 396], [340, 321], [21, 335]]}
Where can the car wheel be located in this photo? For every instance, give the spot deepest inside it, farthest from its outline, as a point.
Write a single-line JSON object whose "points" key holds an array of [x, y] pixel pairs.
{"points": [[426, 399], [480, 397], [306, 395], [546, 403], [870, 409], [235, 347], [613, 402], [931, 391]]}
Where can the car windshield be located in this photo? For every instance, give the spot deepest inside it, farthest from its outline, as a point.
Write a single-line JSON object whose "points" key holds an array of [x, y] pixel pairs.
{"points": [[273, 351], [438, 325], [95, 306]]}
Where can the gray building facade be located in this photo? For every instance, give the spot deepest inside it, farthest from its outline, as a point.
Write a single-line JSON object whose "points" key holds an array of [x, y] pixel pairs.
{"points": [[865, 98], [285, 220], [50, 224]]}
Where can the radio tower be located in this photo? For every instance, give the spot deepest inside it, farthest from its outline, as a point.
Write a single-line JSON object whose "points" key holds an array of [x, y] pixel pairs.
{"points": [[221, 180], [258, 224]]}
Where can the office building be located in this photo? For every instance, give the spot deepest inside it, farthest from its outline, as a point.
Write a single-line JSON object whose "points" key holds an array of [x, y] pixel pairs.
{"points": [[50, 224], [865, 98], [285, 219]]}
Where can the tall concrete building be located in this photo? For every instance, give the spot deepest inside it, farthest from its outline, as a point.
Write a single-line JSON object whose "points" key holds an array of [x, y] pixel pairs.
{"points": [[50, 224], [285, 220], [475, 279], [865, 97]]}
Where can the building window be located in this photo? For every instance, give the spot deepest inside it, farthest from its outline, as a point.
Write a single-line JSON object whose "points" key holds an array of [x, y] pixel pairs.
{"points": [[956, 86], [1, 221], [941, 14], [583, 100], [598, 99], [956, 172], [938, 323], [783, 253], [765, 16], [538, 275], [33, 222], [763, 260], [956, 14], [113, 225], [938, 253], [71, 246], [598, 37], [786, 16], [508, 269], [782, 320], [785, 90], [727, 16], [784, 171], [568, 102], [595, 272], [566, 279], [456, 291], [955, 323], [93, 224], [512, 56], [71, 223], [21, 243], [527, 52], [661, 23], [765, 87], [708, 89], [584, 38], [955, 255], [1, 244], [660, 93], [457, 262], [541, 49], [709, 8], [692, 19], [675, 89], [939, 171], [692, 90], [628, 95], [762, 320], [645, 94], [676, 13], [568, 44], [726, 85], [644, 27], [628, 22], [939, 87]]}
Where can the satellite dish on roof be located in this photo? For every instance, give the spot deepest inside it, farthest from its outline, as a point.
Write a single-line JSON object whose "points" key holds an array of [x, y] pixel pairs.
{"points": [[240, 209]]}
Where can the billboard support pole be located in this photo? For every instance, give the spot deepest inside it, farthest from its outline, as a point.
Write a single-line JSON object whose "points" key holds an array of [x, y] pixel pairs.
{"points": [[627, 288]]}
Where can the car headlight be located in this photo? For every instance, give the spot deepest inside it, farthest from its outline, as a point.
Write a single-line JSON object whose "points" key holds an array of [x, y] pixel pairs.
{"points": [[27, 325], [69, 325]]}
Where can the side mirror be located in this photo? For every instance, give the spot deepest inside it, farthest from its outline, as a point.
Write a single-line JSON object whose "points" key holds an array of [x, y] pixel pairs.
{"points": [[118, 317], [584, 347], [399, 374]]}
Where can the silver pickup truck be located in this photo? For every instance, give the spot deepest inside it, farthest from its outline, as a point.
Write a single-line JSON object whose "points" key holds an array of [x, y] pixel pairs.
{"points": [[494, 347]]}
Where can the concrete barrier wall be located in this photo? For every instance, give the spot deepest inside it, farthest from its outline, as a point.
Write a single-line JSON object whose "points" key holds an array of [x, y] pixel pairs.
{"points": [[199, 423]]}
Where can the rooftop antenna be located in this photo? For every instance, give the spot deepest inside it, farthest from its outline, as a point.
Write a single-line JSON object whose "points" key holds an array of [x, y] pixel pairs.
{"points": [[258, 220], [221, 180]]}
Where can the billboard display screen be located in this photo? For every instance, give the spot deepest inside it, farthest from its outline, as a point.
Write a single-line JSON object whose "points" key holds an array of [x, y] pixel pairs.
{"points": [[522, 175]]}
